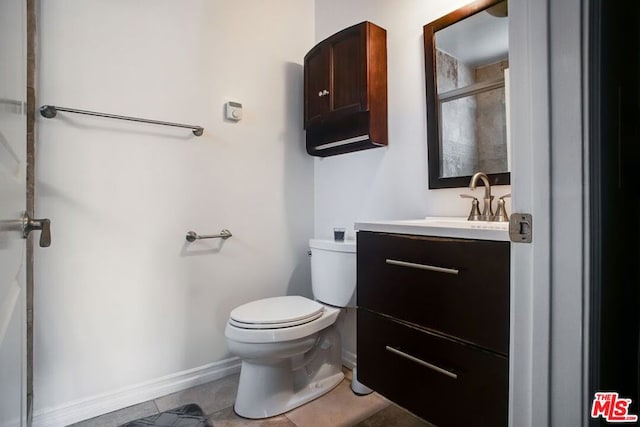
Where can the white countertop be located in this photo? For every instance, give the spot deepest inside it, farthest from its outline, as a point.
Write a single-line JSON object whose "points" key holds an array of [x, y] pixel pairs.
{"points": [[441, 227]]}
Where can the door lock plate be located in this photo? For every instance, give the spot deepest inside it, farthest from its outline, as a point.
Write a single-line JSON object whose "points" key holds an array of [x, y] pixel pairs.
{"points": [[521, 227]]}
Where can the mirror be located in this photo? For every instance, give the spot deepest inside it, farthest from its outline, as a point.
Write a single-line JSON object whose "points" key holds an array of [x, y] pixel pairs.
{"points": [[466, 71]]}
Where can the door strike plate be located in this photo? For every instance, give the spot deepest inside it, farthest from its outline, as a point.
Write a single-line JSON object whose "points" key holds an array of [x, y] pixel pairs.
{"points": [[520, 227]]}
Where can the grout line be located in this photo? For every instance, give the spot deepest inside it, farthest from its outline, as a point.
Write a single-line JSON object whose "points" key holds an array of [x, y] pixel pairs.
{"points": [[222, 409], [289, 419]]}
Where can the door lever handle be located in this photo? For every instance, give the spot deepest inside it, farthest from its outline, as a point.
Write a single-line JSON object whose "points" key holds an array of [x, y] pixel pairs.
{"points": [[44, 225]]}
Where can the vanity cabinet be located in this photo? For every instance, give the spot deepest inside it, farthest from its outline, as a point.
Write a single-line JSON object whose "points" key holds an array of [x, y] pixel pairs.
{"points": [[345, 91], [433, 325]]}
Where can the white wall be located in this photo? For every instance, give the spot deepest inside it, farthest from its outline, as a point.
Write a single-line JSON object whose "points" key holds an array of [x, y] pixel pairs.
{"points": [[386, 183], [390, 182], [121, 298]]}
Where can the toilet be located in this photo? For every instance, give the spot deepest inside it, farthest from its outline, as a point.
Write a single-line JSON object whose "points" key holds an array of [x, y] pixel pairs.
{"points": [[289, 347]]}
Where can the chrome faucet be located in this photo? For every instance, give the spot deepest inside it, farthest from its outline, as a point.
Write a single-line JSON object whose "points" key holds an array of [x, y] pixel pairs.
{"points": [[487, 210]]}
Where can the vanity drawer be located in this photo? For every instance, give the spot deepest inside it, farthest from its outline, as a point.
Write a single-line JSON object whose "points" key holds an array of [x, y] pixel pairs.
{"points": [[456, 286], [441, 380]]}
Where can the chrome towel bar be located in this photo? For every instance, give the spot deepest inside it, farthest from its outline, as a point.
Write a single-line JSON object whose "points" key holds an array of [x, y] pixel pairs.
{"points": [[50, 111], [192, 236]]}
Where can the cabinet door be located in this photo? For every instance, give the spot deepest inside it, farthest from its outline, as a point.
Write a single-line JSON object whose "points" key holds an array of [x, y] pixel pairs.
{"points": [[348, 72], [316, 85]]}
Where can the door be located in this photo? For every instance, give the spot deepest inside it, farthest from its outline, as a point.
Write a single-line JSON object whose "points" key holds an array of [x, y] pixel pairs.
{"points": [[550, 181], [316, 84], [12, 204], [348, 71], [335, 81]]}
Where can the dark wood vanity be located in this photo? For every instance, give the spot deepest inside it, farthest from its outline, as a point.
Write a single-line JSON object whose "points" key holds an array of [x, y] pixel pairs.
{"points": [[345, 91], [433, 325]]}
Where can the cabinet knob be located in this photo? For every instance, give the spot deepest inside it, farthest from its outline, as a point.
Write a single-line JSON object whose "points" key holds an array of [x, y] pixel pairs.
{"points": [[323, 93]]}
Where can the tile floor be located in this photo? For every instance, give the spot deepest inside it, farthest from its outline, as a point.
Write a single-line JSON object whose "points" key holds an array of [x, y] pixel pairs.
{"points": [[338, 408]]}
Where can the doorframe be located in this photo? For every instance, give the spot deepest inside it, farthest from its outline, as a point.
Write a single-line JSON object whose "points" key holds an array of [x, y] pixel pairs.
{"points": [[549, 180], [530, 185], [30, 178], [570, 216]]}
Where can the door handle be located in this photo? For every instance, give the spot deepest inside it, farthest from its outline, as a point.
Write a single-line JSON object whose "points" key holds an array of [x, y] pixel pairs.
{"points": [[44, 225]]}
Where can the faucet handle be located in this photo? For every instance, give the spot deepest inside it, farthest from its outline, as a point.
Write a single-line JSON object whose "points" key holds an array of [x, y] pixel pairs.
{"points": [[501, 213], [474, 215]]}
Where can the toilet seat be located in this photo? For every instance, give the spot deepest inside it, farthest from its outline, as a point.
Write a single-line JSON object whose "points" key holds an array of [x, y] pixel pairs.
{"points": [[275, 313], [274, 335]]}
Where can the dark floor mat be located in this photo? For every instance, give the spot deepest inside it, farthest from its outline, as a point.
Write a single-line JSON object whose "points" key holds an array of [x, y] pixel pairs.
{"points": [[184, 416]]}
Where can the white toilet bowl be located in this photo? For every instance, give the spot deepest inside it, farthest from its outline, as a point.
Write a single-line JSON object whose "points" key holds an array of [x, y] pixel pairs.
{"points": [[284, 367], [291, 353]]}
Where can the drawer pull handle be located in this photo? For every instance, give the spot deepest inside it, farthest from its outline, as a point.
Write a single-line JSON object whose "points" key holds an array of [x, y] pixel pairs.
{"points": [[423, 266], [422, 362]]}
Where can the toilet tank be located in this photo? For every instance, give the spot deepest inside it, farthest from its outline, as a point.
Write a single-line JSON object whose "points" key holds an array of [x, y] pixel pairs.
{"points": [[333, 272]]}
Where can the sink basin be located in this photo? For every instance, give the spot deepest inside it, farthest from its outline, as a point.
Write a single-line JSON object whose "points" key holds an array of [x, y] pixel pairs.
{"points": [[442, 227]]}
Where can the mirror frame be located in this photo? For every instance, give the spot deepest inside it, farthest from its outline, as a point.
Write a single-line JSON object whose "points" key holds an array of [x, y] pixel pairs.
{"points": [[433, 119]]}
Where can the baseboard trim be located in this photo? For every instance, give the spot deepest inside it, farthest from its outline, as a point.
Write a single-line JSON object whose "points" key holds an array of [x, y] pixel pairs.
{"points": [[94, 406], [348, 359]]}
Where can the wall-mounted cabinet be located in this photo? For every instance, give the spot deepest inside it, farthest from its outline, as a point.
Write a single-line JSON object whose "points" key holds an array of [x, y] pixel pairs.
{"points": [[345, 91]]}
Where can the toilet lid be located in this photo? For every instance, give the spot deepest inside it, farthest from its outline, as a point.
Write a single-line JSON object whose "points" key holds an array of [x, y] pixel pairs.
{"points": [[277, 312]]}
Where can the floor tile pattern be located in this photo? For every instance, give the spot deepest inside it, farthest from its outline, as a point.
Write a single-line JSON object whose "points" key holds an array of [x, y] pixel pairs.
{"points": [[211, 397], [185, 416], [116, 418], [338, 408], [394, 416]]}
